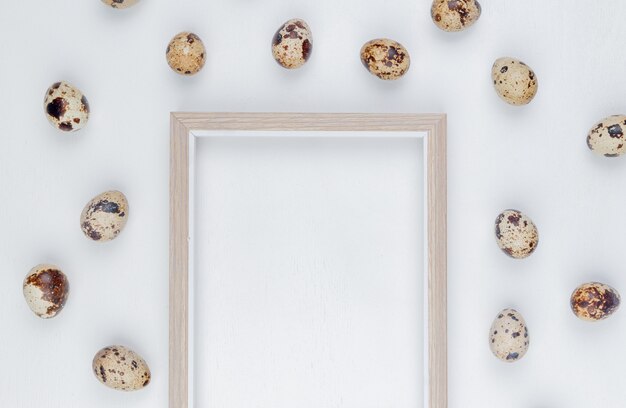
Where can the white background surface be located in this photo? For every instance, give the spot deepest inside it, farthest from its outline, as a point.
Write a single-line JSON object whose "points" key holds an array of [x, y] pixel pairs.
{"points": [[308, 284], [532, 158]]}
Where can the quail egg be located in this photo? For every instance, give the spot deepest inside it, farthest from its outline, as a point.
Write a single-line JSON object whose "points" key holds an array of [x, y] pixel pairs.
{"points": [[186, 54], [508, 338], [516, 234], [66, 107], [120, 4], [387, 59], [514, 82], [606, 138], [455, 15], [292, 44], [104, 216], [46, 289], [594, 301], [120, 368]]}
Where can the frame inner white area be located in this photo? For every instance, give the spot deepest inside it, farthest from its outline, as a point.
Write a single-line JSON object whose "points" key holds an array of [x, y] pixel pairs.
{"points": [[308, 270]]}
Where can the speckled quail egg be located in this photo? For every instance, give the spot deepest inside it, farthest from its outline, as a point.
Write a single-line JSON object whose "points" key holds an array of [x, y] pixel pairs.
{"points": [[387, 59], [46, 289], [594, 301], [66, 107], [120, 368], [186, 54], [120, 4], [292, 44], [516, 234], [607, 136], [514, 81], [508, 338], [455, 15], [104, 217]]}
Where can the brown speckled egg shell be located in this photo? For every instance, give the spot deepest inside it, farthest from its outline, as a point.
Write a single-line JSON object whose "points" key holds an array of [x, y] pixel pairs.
{"points": [[594, 301], [514, 82], [104, 216], [508, 336], [516, 234], [387, 59], [120, 4], [66, 107], [292, 44], [46, 289], [455, 15], [122, 369], [606, 138], [186, 54]]}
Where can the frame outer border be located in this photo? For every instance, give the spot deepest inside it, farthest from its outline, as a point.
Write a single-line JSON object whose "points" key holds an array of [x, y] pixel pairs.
{"points": [[178, 265], [181, 127]]}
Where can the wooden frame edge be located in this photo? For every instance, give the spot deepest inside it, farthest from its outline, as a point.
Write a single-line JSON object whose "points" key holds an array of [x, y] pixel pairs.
{"points": [[437, 265], [178, 264], [181, 126]]}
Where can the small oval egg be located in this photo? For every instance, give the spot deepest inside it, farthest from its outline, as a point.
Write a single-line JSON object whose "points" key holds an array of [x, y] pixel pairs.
{"points": [[46, 289], [508, 338], [120, 368], [455, 15], [387, 59], [516, 234], [606, 138], [186, 54], [120, 4], [292, 44], [514, 81], [104, 216], [66, 107], [594, 301]]}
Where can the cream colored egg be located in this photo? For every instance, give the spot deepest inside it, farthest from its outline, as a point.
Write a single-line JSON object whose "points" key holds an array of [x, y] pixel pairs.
{"points": [[385, 58], [120, 368], [455, 15], [292, 44], [508, 336], [104, 216], [46, 289], [594, 301], [516, 234], [514, 82], [66, 107], [186, 54], [120, 4], [606, 138]]}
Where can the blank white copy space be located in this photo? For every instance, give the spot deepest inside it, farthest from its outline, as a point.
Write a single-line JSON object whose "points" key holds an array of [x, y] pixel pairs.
{"points": [[309, 272]]}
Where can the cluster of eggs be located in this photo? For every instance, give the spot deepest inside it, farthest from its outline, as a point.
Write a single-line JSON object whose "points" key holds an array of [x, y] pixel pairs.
{"points": [[513, 80], [292, 46], [516, 83], [46, 289], [517, 236]]}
